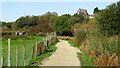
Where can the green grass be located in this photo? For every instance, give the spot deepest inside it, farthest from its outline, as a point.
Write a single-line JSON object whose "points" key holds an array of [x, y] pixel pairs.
{"points": [[84, 58], [36, 61], [28, 41], [72, 44]]}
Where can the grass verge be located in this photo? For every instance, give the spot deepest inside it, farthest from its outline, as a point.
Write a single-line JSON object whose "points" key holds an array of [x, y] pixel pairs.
{"points": [[72, 44], [37, 61], [83, 57]]}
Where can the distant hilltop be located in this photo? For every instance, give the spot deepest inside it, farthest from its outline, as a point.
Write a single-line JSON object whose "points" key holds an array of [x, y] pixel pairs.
{"points": [[83, 12]]}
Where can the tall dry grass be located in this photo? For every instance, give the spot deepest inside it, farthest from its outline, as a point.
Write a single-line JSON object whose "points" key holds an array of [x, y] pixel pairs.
{"points": [[105, 50]]}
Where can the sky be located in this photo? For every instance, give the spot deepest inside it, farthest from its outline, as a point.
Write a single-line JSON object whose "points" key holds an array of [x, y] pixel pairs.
{"points": [[11, 11]]}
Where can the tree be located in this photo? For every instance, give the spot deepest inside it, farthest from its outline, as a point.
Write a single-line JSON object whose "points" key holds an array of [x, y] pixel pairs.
{"points": [[62, 27], [27, 21], [7, 25], [108, 20], [96, 10]]}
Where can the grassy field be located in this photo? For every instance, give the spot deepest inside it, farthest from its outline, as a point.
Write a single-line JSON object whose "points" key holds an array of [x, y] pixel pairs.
{"points": [[20, 41]]}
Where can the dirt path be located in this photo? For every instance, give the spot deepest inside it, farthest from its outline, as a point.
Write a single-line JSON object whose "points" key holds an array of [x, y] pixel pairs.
{"points": [[65, 55]]}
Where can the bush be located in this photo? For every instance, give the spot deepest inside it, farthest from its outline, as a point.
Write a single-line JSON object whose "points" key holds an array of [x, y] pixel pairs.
{"points": [[61, 25], [7, 34], [109, 20], [80, 35], [105, 49]]}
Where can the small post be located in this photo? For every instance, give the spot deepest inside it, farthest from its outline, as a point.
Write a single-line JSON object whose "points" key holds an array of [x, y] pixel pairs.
{"points": [[36, 49], [50, 40], [46, 43], [17, 56], [42, 47], [32, 55], [2, 62], [24, 58], [9, 53]]}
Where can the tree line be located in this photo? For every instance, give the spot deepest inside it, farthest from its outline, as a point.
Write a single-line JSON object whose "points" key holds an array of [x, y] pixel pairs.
{"points": [[47, 22]]}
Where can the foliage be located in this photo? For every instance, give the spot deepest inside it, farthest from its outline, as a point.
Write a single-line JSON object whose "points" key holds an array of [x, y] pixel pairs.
{"points": [[7, 25], [96, 45], [52, 47], [44, 55], [85, 59], [80, 35], [32, 24], [61, 26], [87, 19], [96, 10], [27, 21], [7, 33], [40, 58], [79, 18], [72, 44], [66, 21], [109, 20]]}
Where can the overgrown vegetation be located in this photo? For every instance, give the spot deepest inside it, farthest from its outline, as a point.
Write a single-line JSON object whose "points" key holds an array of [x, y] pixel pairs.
{"points": [[49, 50], [100, 37], [85, 60], [31, 24], [109, 20], [104, 49], [63, 24], [48, 22]]}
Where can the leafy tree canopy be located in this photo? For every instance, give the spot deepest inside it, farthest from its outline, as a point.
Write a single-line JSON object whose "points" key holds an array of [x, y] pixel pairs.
{"points": [[96, 10], [108, 19]]}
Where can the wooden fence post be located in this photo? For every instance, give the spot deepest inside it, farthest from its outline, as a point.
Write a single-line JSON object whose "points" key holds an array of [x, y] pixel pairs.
{"points": [[24, 57], [50, 40], [35, 50], [46, 41], [42, 47], [32, 53], [2, 62], [9, 53], [17, 56], [39, 48]]}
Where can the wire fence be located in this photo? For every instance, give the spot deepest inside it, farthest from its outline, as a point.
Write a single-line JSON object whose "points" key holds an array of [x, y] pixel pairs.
{"points": [[23, 55]]}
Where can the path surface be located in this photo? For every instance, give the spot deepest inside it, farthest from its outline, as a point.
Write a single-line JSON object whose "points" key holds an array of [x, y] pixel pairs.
{"points": [[65, 55]]}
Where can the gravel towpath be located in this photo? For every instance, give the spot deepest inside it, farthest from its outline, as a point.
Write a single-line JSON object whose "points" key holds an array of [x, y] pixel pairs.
{"points": [[65, 55]]}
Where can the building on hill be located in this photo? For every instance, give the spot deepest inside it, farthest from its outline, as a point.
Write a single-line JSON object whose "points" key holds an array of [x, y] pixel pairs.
{"points": [[83, 12]]}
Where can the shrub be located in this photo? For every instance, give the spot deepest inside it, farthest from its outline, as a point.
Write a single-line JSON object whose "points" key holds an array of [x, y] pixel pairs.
{"points": [[80, 35], [7, 33], [109, 20], [105, 49]]}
